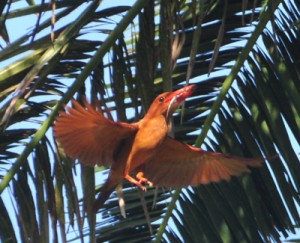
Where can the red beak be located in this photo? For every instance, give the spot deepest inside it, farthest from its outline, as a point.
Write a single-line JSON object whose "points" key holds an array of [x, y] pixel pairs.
{"points": [[181, 94]]}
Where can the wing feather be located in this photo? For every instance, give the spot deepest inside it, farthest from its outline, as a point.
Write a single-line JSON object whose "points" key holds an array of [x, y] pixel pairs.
{"points": [[178, 165], [86, 134]]}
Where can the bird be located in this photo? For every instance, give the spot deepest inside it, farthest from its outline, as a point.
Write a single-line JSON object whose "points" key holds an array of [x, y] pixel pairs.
{"points": [[143, 152]]}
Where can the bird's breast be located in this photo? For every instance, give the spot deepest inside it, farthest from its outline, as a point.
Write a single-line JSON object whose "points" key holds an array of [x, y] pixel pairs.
{"points": [[152, 133], [147, 141]]}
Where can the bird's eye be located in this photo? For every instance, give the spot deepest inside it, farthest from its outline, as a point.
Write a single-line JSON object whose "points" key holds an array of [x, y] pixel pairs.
{"points": [[161, 99]]}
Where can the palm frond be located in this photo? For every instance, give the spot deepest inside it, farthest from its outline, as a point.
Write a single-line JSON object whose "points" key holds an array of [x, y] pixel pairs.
{"points": [[257, 115]]}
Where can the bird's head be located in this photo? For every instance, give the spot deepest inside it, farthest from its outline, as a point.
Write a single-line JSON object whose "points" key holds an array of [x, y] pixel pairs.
{"points": [[166, 103]]}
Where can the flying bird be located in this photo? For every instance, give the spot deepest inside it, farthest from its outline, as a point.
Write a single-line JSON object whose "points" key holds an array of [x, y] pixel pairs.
{"points": [[142, 152]]}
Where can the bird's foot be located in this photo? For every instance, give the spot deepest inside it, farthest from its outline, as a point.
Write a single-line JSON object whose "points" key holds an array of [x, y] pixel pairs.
{"points": [[135, 182], [142, 179], [143, 188]]}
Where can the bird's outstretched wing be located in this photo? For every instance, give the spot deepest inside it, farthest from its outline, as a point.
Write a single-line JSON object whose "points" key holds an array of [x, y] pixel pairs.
{"points": [[178, 165], [86, 134]]}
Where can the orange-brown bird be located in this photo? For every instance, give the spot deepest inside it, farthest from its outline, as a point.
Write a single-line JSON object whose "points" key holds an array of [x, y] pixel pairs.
{"points": [[143, 149]]}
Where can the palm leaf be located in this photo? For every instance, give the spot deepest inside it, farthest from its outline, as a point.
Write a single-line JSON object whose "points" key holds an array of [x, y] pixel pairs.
{"points": [[251, 113]]}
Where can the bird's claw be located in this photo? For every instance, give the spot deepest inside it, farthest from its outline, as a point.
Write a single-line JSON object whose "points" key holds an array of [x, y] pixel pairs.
{"points": [[142, 179], [143, 188], [140, 185], [135, 182]]}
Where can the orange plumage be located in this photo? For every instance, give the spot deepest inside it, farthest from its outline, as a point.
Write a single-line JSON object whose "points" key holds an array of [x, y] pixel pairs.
{"points": [[142, 148]]}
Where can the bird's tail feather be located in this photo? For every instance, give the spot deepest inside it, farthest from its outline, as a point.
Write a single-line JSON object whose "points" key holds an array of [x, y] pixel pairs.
{"points": [[105, 192]]}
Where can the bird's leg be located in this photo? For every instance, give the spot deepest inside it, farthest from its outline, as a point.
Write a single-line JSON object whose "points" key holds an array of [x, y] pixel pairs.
{"points": [[142, 179], [135, 182]]}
